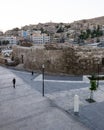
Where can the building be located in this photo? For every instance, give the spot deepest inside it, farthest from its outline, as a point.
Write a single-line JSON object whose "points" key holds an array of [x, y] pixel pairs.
{"points": [[23, 33], [40, 38], [11, 39]]}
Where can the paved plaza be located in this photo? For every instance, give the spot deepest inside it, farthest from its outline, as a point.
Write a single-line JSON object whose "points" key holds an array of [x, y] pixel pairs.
{"points": [[24, 108]]}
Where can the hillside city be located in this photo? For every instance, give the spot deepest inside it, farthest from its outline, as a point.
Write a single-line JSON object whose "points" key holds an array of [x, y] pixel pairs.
{"points": [[79, 32], [52, 76]]}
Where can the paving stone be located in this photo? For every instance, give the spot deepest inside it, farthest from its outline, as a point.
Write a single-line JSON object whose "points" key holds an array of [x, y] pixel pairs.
{"points": [[24, 108]]}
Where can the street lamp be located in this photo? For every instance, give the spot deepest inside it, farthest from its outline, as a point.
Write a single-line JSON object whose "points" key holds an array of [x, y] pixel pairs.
{"points": [[98, 76], [43, 80]]}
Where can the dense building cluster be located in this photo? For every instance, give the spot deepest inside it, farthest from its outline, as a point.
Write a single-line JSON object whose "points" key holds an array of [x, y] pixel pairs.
{"points": [[79, 32]]}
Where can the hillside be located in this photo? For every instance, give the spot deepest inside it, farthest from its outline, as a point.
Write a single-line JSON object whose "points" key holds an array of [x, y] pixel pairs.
{"points": [[82, 32], [97, 20]]}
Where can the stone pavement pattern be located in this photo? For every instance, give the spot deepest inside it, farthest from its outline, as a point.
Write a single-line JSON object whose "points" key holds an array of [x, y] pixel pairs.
{"points": [[23, 108], [93, 116]]}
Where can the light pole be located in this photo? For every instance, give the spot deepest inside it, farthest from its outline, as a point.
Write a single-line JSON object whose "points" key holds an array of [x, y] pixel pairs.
{"points": [[98, 76], [43, 80]]}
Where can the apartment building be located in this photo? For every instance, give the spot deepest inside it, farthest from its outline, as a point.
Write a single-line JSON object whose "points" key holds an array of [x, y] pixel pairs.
{"points": [[22, 33], [11, 39], [40, 38]]}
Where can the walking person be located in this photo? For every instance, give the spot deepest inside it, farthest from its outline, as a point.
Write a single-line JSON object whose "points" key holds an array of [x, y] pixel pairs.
{"points": [[32, 72], [14, 82]]}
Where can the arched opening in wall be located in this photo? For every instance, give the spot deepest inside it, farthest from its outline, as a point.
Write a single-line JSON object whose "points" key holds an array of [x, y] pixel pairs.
{"points": [[102, 61]]}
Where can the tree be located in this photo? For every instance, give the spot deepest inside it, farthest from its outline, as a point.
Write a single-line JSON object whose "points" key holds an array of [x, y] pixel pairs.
{"points": [[42, 30], [68, 26], [60, 30], [88, 31], [93, 87], [5, 42], [16, 29], [93, 34]]}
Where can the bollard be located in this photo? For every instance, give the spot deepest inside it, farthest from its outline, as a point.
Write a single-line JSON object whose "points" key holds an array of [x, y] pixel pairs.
{"points": [[76, 104]]}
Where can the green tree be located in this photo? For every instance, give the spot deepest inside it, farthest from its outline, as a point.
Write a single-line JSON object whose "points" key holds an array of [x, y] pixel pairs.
{"points": [[42, 30], [5, 42], [60, 30], [93, 86], [88, 31], [93, 34], [83, 35]]}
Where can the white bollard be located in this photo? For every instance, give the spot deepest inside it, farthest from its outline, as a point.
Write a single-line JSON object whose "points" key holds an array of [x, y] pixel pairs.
{"points": [[76, 104]]}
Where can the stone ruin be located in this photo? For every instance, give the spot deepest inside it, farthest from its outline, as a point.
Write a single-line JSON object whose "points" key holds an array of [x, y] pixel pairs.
{"points": [[61, 58]]}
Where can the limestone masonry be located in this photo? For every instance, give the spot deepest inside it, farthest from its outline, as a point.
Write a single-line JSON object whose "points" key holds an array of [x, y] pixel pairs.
{"points": [[61, 58]]}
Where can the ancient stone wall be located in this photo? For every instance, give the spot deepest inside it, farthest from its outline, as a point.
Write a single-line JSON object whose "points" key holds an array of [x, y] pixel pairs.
{"points": [[67, 60]]}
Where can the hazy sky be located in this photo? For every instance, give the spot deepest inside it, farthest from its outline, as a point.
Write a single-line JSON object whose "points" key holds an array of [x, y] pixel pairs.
{"points": [[17, 13]]}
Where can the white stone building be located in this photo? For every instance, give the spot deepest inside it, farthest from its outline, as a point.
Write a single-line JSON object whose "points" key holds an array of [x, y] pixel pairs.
{"points": [[11, 39], [40, 38]]}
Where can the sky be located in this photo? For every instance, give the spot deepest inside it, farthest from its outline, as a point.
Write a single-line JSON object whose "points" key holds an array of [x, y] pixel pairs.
{"points": [[18, 13]]}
